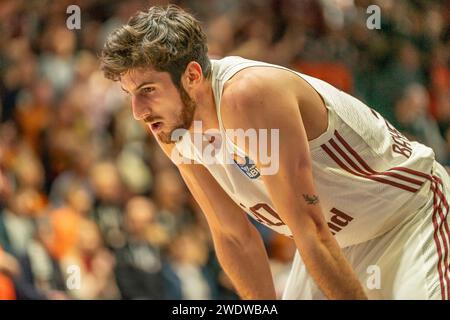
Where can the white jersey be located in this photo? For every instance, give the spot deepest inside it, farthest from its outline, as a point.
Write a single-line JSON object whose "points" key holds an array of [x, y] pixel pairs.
{"points": [[368, 176]]}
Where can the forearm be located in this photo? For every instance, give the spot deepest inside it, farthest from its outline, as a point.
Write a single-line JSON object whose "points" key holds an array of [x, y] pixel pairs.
{"points": [[246, 263], [329, 268]]}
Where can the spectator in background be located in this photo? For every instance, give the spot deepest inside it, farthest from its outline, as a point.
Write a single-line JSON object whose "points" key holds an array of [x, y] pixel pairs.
{"points": [[30, 177], [77, 173], [139, 263], [411, 112], [65, 221], [58, 61], [17, 226], [6, 191], [9, 268], [171, 197], [187, 274], [440, 89], [95, 263], [400, 73], [108, 206], [40, 276], [33, 113]]}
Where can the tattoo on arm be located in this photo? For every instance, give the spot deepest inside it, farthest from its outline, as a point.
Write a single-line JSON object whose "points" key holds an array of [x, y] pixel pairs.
{"points": [[311, 199]]}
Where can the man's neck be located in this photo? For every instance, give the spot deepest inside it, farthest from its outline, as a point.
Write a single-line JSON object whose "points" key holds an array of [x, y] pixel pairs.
{"points": [[206, 111]]}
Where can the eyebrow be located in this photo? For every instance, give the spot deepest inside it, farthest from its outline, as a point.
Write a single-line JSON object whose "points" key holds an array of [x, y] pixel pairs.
{"points": [[140, 86]]}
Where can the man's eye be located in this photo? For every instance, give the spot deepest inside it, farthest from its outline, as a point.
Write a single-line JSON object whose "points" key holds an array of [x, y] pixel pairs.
{"points": [[147, 90]]}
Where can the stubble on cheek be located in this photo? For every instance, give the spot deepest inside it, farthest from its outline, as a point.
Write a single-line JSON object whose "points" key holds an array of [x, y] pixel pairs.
{"points": [[185, 118]]}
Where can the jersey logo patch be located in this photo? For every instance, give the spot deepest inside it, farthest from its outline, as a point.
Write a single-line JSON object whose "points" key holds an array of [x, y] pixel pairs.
{"points": [[247, 166]]}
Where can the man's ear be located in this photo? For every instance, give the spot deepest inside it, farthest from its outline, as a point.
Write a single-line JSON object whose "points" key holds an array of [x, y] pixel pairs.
{"points": [[193, 75]]}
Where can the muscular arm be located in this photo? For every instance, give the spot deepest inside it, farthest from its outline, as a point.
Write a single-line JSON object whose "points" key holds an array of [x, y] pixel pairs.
{"points": [[291, 188], [237, 243]]}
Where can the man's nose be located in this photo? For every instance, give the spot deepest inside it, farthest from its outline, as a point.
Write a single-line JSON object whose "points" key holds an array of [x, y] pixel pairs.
{"points": [[140, 110]]}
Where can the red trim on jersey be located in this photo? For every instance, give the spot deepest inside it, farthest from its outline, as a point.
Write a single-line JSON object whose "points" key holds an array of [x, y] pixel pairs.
{"points": [[415, 172], [373, 172], [374, 113], [364, 170], [368, 168], [353, 152], [381, 180], [438, 245], [444, 277]]}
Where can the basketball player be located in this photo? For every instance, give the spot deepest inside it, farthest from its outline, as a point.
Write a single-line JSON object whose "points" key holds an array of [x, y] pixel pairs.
{"points": [[366, 208]]}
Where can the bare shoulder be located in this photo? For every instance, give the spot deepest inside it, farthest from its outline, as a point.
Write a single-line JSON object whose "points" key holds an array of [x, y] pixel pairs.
{"points": [[271, 97], [254, 82], [255, 92]]}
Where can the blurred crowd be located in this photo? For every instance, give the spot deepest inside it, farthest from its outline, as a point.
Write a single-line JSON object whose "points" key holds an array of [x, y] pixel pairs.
{"points": [[90, 208]]}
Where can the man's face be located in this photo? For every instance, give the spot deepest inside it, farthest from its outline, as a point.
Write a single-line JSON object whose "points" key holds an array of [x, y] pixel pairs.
{"points": [[157, 101]]}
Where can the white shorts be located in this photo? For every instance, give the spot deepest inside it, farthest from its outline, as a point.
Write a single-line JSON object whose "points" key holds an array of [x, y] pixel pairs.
{"points": [[411, 261]]}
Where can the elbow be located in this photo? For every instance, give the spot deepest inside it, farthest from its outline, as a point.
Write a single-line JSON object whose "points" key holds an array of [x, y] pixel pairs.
{"points": [[241, 237]]}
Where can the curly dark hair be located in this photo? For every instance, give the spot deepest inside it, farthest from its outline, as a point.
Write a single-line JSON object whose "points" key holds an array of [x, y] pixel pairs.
{"points": [[166, 39]]}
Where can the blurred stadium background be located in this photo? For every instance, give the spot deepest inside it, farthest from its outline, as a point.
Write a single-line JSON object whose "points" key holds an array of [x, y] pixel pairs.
{"points": [[85, 185]]}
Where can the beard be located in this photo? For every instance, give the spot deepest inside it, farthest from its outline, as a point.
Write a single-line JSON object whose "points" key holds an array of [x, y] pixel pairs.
{"points": [[184, 120]]}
